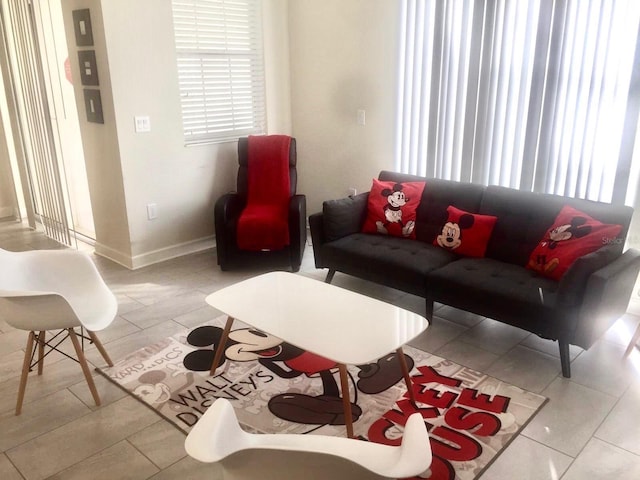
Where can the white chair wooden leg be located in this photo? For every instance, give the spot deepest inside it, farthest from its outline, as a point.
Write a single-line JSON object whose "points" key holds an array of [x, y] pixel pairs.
{"points": [[96, 341], [84, 365], [25, 372]]}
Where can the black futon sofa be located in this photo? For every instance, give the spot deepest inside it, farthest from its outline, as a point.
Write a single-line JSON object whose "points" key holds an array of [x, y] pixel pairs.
{"points": [[577, 309]]}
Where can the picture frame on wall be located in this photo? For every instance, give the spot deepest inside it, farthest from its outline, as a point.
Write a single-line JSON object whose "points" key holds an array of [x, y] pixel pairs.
{"points": [[88, 67], [82, 27], [93, 105]]}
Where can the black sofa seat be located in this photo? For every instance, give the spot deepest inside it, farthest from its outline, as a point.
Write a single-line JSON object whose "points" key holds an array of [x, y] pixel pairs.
{"points": [[491, 287], [390, 261]]}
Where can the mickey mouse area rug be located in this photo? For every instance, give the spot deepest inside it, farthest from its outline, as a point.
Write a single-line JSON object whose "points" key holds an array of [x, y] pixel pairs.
{"points": [[277, 388]]}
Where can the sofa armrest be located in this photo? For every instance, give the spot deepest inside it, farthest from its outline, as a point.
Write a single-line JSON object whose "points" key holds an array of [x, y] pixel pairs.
{"points": [[606, 297], [228, 206], [226, 212], [316, 225], [573, 283], [338, 219], [344, 216]]}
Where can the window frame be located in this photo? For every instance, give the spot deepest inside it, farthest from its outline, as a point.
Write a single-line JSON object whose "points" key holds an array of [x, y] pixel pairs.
{"points": [[220, 65]]}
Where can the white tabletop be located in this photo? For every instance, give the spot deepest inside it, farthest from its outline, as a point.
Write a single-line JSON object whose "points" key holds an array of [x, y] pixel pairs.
{"points": [[330, 321]]}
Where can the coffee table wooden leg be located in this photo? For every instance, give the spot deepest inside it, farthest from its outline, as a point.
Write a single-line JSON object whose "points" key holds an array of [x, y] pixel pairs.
{"points": [[346, 402], [221, 345], [405, 373]]}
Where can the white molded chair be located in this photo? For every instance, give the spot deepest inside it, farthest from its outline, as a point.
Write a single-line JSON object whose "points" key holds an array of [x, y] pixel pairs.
{"points": [[217, 437], [44, 290]]}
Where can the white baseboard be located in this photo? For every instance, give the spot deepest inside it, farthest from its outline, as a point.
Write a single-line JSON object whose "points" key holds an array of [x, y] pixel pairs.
{"points": [[155, 256], [113, 255]]}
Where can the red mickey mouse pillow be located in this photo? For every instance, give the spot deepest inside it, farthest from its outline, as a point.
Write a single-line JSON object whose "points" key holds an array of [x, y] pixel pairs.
{"points": [[572, 235], [392, 208], [466, 233]]}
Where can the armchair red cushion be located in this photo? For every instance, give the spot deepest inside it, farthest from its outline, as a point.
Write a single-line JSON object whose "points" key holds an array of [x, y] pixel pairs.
{"points": [[264, 222]]}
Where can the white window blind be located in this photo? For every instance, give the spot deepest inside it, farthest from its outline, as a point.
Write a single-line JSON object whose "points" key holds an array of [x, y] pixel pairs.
{"points": [[220, 68], [539, 95]]}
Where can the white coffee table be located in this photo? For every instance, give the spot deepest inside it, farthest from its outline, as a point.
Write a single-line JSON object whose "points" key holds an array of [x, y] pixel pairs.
{"points": [[340, 325]]}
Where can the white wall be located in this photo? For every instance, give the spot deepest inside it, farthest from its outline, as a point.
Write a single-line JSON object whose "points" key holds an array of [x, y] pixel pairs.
{"points": [[127, 170], [343, 58]]}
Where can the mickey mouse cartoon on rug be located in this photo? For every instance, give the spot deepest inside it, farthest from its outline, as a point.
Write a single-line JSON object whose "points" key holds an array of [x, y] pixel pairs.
{"points": [[451, 236], [562, 233], [288, 361], [392, 210]]}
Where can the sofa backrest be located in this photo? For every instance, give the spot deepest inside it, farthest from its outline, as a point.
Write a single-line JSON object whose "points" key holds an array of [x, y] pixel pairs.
{"points": [[524, 217], [437, 196]]}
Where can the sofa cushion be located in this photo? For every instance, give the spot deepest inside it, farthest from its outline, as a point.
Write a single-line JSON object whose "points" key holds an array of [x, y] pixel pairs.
{"points": [[572, 235], [343, 216], [392, 207], [466, 233], [391, 261]]}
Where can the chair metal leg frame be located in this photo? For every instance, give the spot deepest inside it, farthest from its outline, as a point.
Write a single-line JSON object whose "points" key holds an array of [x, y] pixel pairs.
{"points": [[41, 344], [40, 340], [36, 344]]}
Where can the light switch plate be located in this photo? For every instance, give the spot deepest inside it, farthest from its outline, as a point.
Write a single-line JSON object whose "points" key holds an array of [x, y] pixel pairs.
{"points": [[142, 123]]}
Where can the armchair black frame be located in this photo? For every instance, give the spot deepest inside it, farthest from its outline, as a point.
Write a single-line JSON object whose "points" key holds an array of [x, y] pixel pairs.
{"points": [[229, 207]]}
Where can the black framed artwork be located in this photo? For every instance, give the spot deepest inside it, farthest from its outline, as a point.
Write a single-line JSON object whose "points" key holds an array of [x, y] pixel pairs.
{"points": [[82, 27], [88, 67], [93, 105]]}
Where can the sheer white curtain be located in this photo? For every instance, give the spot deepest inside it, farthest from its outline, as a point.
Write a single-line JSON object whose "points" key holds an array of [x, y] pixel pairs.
{"points": [[539, 94]]}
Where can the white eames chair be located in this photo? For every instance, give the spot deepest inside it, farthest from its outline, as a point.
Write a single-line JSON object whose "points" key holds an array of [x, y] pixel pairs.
{"points": [[217, 437], [60, 290]]}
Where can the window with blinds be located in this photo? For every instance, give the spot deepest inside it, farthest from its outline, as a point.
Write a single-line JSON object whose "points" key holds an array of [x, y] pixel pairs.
{"points": [[539, 95], [220, 68]]}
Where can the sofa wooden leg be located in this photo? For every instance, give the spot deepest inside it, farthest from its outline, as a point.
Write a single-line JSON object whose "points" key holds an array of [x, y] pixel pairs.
{"points": [[330, 275], [564, 358]]}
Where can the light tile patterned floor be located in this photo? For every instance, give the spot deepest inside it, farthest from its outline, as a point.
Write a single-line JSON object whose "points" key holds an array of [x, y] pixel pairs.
{"points": [[590, 428]]}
